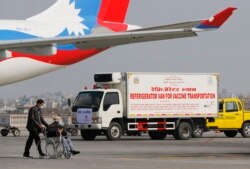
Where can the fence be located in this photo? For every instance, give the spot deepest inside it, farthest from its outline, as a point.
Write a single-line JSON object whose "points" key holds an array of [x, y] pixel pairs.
{"points": [[20, 120]]}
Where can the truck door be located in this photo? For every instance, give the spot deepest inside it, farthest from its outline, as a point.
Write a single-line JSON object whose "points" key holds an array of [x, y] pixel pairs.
{"points": [[112, 108], [232, 115], [219, 121]]}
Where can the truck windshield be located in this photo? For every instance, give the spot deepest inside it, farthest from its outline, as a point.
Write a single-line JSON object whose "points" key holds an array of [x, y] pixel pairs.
{"points": [[88, 100]]}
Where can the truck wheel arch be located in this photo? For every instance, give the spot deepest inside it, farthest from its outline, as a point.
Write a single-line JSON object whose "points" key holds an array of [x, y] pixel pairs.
{"points": [[190, 121], [120, 121]]}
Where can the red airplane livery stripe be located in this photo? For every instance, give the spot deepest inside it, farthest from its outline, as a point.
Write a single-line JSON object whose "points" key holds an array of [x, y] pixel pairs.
{"points": [[63, 57], [113, 10]]}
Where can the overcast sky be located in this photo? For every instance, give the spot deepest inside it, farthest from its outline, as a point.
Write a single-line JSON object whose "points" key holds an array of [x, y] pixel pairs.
{"points": [[225, 51]]}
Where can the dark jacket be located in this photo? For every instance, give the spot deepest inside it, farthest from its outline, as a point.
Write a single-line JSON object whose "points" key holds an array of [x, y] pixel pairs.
{"points": [[35, 119], [52, 130]]}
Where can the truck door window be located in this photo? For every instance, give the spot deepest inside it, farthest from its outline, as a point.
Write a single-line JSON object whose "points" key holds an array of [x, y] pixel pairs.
{"points": [[110, 99], [231, 107]]}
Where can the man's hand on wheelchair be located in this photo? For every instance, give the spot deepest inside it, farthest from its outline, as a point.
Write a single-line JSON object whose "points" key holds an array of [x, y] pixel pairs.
{"points": [[43, 128]]}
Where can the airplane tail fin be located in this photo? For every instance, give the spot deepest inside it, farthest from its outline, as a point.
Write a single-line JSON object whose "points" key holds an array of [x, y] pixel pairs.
{"points": [[106, 10], [113, 10], [87, 13], [217, 20], [69, 10]]}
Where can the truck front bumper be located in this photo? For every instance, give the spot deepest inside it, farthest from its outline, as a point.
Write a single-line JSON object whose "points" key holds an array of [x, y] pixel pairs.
{"points": [[89, 126]]}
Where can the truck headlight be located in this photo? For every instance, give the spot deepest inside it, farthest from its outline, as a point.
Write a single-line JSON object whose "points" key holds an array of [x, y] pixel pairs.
{"points": [[97, 120], [73, 119]]}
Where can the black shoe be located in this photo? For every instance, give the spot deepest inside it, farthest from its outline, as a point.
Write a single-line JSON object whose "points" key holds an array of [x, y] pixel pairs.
{"points": [[27, 156], [74, 152]]}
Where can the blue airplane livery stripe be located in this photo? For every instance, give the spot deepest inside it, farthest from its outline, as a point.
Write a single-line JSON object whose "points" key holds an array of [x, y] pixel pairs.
{"points": [[14, 35], [89, 11], [202, 26]]}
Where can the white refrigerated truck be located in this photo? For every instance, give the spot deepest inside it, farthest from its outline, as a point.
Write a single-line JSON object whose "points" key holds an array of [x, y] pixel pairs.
{"points": [[159, 103]]}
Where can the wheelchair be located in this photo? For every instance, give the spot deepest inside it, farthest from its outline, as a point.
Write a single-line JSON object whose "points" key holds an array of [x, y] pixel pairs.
{"points": [[53, 146]]}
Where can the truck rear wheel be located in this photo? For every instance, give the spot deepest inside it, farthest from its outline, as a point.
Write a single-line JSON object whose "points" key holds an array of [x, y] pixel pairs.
{"points": [[157, 135], [245, 131], [197, 133], [230, 133], [88, 134], [183, 131], [114, 131]]}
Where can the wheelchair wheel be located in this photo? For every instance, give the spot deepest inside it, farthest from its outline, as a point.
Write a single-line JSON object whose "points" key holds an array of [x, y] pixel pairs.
{"points": [[59, 150], [67, 155], [50, 148]]}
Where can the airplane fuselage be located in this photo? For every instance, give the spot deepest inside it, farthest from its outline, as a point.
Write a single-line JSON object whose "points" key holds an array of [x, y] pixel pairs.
{"points": [[70, 31], [31, 62]]}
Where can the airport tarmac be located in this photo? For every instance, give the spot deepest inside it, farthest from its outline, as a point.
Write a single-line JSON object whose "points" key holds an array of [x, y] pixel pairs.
{"points": [[212, 151]]}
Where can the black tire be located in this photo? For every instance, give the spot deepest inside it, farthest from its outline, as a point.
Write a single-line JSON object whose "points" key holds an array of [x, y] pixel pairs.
{"points": [[74, 132], [245, 130], [230, 133], [197, 132], [157, 135], [88, 135], [183, 131], [4, 132], [114, 132], [16, 132]]}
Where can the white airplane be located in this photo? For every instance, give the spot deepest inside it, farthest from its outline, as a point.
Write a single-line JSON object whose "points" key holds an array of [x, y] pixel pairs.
{"points": [[73, 30]]}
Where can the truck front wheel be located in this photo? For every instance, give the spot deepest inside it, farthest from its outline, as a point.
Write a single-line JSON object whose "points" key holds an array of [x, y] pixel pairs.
{"points": [[88, 134], [230, 133], [245, 131], [157, 135], [183, 131], [114, 131]]}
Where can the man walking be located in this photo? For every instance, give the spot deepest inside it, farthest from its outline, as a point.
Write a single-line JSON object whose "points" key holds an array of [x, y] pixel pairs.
{"points": [[35, 124]]}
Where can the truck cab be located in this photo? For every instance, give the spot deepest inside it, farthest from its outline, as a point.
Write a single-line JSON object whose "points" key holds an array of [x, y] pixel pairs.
{"points": [[232, 118], [105, 105]]}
